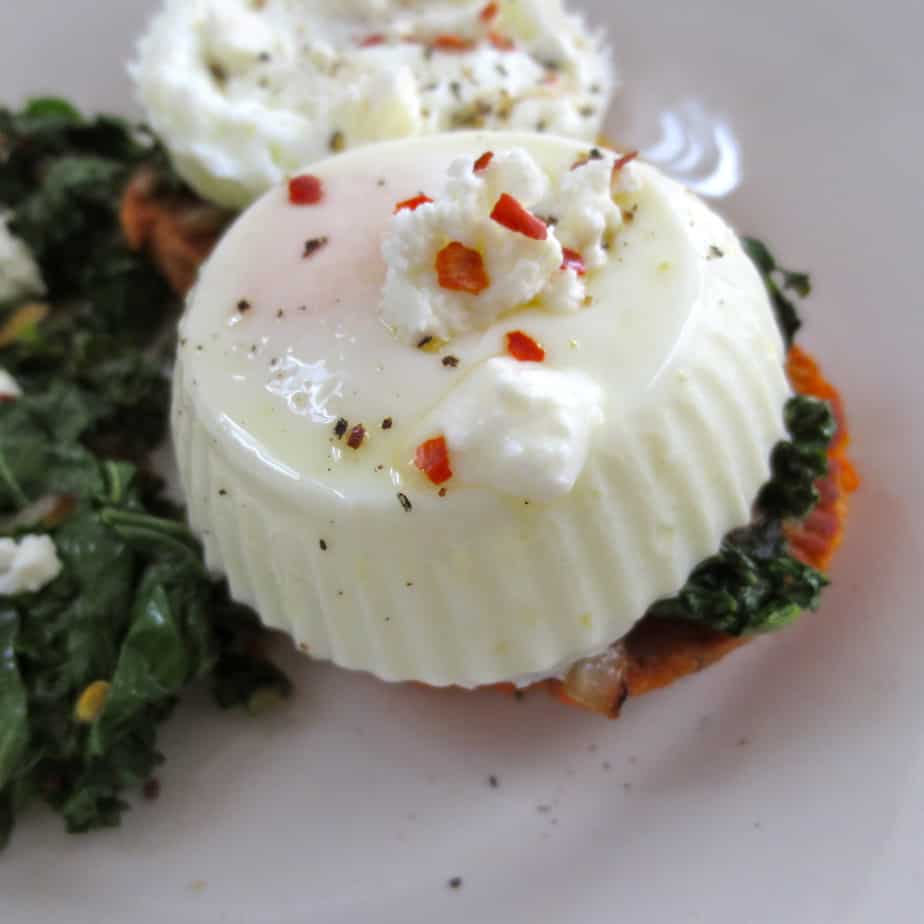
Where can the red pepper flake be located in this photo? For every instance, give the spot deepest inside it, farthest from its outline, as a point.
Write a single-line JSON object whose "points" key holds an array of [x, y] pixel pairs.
{"points": [[522, 347], [483, 161], [572, 260], [501, 42], [387, 423], [372, 40], [461, 269], [356, 437], [509, 213], [622, 161], [432, 458], [412, 204], [442, 492], [489, 12], [305, 190], [452, 43]]}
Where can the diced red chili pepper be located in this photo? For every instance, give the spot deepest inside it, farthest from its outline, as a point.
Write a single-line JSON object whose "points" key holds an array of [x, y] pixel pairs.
{"points": [[522, 347], [509, 213], [571, 259], [489, 12], [483, 161], [622, 161], [305, 190], [412, 204], [501, 42], [432, 458], [452, 43], [371, 40], [461, 269]]}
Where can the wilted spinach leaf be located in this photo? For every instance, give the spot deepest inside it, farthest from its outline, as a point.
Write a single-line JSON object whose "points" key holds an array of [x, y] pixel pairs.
{"points": [[779, 281], [95, 660]]}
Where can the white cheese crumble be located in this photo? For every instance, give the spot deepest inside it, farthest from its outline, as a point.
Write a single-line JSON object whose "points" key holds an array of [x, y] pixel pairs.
{"points": [[520, 428], [586, 212], [243, 93], [9, 387], [19, 273], [27, 564], [521, 270]]}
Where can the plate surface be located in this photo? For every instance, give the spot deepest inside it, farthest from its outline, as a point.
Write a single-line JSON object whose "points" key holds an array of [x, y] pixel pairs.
{"points": [[783, 785]]}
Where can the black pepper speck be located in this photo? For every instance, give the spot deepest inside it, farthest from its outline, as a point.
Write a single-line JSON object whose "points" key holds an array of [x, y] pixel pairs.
{"points": [[313, 246]]}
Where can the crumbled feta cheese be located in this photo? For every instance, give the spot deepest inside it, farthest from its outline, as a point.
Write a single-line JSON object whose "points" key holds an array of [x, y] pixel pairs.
{"points": [[244, 93], [27, 564], [19, 273], [520, 428], [9, 387], [586, 211], [521, 269]]}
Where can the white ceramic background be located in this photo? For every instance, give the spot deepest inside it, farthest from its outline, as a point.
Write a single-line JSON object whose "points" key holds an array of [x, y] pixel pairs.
{"points": [[784, 785]]}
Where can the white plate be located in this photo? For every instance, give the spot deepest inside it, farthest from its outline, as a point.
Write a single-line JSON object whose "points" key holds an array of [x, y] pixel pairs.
{"points": [[783, 785]]}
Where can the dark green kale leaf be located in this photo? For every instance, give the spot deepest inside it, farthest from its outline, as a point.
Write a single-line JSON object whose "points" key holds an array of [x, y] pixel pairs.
{"points": [[70, 223], [243, 675], [249, 680], [14, 719], [134, 608], [39, 452], [779, 281], [48, 128], [752, 585], [799, 462], [63, 176], [133, 615]]}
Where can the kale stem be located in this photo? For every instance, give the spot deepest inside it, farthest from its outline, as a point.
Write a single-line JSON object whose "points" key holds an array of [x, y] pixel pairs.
{"points": [[128, 522], [15, 489]]}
